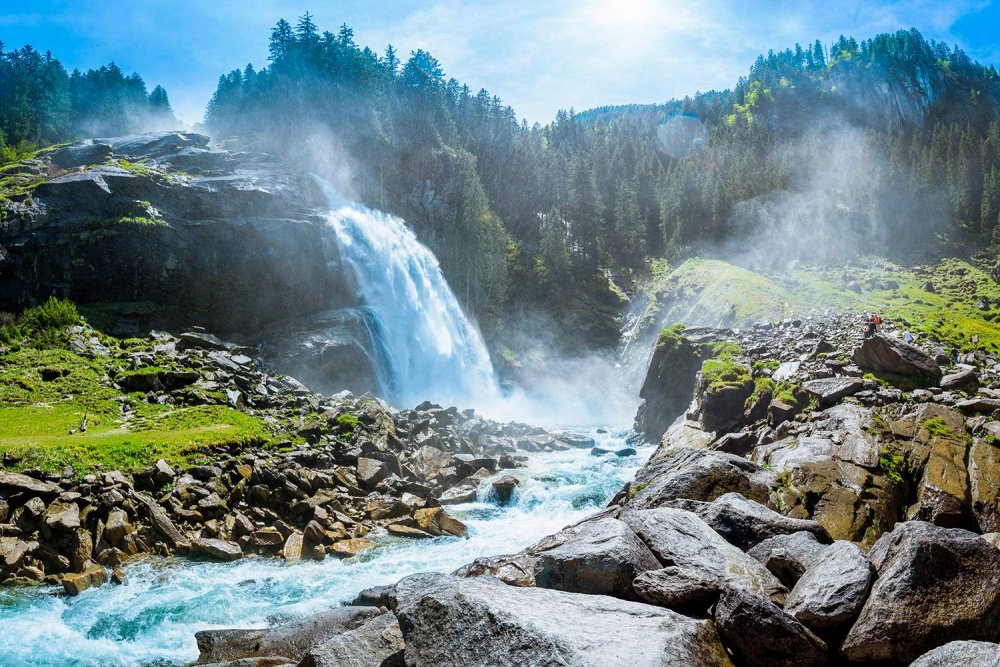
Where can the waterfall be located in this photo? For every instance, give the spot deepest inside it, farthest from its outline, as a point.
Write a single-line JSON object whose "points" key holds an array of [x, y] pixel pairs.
{"points": [[430, 347]]}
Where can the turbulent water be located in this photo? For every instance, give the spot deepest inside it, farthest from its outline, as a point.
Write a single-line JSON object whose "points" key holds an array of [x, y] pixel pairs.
{"points": [[152, 618], [431, 349]]}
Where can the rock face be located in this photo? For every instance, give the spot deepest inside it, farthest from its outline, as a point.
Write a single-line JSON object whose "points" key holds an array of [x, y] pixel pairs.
{"points": [[669, 384], [449, 620], [934, 585], [889, 355], [831, 592], [601, 559]]}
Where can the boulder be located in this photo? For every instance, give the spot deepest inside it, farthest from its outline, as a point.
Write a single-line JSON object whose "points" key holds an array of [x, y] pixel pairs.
{"points": [[602, 558], [681, 588], [82, 154], [19, 482], [215, 549], [830, 390], [831, 592], [964, 378], [62, 517], [371, 472], [117, 527], [788, 556], [967, 654], [890, 355], [984, 484], [350, 548], [722, 408], [448, 620], [668, 385], [700, 475], [745, 523], [436, 521], [678, 537], [74, 584], [291, 641], [943, 488], [379, 642], [934, 585], [503, 488], [763, 634]]}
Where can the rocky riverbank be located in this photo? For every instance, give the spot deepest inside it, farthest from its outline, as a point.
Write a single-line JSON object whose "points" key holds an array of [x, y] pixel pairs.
{"points": [[824, 499], [320, 477]]}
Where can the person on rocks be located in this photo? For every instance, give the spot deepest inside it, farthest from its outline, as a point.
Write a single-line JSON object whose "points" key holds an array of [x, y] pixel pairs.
{"points": [[907, 337], [870, 327], [877, 320], [954, 355]]}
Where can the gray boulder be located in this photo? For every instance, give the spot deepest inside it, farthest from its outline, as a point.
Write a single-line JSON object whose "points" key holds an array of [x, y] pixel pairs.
{"points": [[678, 537], [963, 378], [601, 559], [19, 482], [678, 588], [889, 355], [216, 549], [765, 635], [934, 585], [745, 523], [788, 556], [453, 621], [698, 474], [291, 641], [831, 592], [828, 391], [379, 642], [81, 155], [967, 654]]}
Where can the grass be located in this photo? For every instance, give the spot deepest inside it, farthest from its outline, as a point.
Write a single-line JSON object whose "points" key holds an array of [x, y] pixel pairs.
{"points": [[936, 426], [42, 325], [347, 422], [891, 465]]}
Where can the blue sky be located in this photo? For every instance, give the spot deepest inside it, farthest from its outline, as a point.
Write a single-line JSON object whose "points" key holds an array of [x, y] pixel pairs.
{"points": [[537, 56]]}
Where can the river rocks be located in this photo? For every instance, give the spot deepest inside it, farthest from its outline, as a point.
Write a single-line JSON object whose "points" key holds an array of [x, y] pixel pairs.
{"points": [[828, 391], [216, 549], [74, 584], [503, 488], [371, 472], [934, 585], [481, 621], [351, 548], [700, 475], [436, 521], [602, 558], [291, 641], [831, 592], [890, 355], [378, 642], [788, 556], [745, 523], [763, 634], [62, 517], [967, 654], [680, 588], [678, 537]]}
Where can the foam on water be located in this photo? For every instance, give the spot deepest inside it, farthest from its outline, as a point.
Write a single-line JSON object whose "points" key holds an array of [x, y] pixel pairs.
{"points": [[152, 618]]}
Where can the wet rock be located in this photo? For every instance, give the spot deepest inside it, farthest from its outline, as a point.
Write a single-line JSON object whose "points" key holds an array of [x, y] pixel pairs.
{"points": [[216, 549], [828, 391], [378, 642], [481, 621], [763, 634], [889, 355], [680, 588], [934, 585], [745, 523], [602, 558], [350, 548], [291, 641], [832, 591], [81, 155], [788, 556], [700, 475], [93, 576], [678, 537], [503, 488], [967, 654]]}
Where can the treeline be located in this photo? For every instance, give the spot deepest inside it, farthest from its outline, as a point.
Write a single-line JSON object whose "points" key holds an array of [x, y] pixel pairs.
{"points": [[40, 102], [881, 144]]}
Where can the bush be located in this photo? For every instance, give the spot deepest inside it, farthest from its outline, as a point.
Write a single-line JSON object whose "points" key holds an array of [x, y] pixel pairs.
{"points": [[42, 324]]}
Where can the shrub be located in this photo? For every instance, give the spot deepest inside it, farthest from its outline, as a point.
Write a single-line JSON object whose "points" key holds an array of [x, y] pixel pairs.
{"points": [[42, 324]]}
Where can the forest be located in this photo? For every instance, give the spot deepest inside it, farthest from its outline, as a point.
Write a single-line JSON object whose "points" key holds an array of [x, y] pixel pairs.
{"points": [[890, 145]]}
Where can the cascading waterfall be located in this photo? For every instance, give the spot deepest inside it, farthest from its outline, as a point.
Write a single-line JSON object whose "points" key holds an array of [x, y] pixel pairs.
{"points": [[433, 351]]}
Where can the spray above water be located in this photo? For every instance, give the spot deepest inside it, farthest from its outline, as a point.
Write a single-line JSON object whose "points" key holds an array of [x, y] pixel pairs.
{"points": [[431, 350]]}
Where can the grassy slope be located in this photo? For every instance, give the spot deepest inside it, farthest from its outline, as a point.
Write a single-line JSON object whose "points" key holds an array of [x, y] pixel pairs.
{"points": [[44, 394], [712, 292]]}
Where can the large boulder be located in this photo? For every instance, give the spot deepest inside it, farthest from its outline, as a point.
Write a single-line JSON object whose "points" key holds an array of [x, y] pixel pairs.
{"points": [[448, 620], [379, 643], [745, 523], [831, 593], [763, 634], [788, 556], [967, 654], [17, 482], [889, 355], [216, 549], [678, 537], [601, 559], [291, 641], [934, 585], [681, 588], [943, 488], [827, 391], [669, 383], [700, 475]]}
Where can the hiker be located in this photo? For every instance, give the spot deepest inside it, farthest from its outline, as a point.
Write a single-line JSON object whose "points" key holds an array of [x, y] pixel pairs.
{"points": [[878, 324], [954, 355], [907, 337], [870, 328]]}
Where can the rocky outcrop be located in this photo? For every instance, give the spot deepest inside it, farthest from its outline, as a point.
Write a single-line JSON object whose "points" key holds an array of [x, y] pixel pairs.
{"points": [[890, 355], [669, 381], [449, 620]]}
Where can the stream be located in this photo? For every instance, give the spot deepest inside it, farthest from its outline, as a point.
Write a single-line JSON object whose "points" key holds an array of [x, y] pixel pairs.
{"points": [[152, 618]]}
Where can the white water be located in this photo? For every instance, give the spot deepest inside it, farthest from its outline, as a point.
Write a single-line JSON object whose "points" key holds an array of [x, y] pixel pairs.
{"points": [[433, 351], [152, 618]]}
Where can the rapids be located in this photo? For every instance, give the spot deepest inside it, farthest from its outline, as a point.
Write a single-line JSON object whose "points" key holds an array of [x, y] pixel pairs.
{"points": [[152, 618]]}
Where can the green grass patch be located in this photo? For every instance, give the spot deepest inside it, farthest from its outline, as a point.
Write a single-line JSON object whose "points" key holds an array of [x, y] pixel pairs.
{"points": [[936, 426], [42, 325], [891, 465], [721, 373], [347, 422]]}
